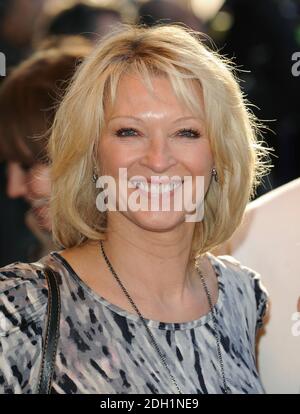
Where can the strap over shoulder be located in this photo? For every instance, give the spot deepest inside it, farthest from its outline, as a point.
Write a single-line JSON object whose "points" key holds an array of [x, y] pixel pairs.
{"points": [[52, 333]]}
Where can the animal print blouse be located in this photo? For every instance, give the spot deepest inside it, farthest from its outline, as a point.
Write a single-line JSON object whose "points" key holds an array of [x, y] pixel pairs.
{"points": [[104, 349]]}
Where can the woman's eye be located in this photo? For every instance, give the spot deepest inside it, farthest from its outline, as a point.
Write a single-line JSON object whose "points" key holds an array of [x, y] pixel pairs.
{"points": [[126, 132], [25, 167], [185, 132], [189, 133]]}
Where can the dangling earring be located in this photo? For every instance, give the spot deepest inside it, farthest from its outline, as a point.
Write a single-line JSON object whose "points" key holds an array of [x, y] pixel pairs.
{"points": [[95, 176], [215, 175]]}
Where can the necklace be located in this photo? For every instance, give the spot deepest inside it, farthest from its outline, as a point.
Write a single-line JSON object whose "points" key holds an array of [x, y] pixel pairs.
{"points": [[162, 357]]}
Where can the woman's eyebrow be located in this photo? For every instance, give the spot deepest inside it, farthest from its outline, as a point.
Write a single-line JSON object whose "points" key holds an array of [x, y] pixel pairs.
{"points": [[186, 118]]}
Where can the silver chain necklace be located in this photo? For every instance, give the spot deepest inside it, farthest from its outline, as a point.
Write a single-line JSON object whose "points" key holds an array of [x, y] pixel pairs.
{"points": [[162, 357]]}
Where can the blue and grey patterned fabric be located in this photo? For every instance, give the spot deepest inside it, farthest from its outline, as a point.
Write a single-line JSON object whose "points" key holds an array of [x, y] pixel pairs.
{"points": [[104, 349]]}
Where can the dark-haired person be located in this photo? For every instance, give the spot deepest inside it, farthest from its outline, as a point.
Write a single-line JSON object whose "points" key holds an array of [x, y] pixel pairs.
{"points": [[29, 97], [83, 18]]}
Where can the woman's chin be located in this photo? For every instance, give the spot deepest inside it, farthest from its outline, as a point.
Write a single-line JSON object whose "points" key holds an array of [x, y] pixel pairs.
{"points": [[158, 221]]}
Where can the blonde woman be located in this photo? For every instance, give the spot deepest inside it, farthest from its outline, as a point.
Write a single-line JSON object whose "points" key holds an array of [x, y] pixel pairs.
{"points": [[145, 308]]}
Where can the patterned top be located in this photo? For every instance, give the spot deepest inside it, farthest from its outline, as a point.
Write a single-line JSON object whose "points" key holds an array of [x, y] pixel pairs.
{"points": [[104, 349]]}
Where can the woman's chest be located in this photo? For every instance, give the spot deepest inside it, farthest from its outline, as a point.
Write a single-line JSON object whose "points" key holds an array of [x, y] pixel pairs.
{"points": [[115, 355]]}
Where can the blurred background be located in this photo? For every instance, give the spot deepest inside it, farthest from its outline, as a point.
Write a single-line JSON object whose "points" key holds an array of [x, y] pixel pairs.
{"points": [[44, 40]]}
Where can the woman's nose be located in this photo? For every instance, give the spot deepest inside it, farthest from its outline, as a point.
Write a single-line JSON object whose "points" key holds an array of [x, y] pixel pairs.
{"points": [[158, 155], [16, 181]]}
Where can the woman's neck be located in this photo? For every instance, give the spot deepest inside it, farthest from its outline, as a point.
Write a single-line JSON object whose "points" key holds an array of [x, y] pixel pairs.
{"points": [[157, 262]]}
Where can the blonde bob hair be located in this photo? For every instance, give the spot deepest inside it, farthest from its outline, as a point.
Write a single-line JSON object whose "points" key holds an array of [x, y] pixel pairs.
{"points": [[179, 54]]}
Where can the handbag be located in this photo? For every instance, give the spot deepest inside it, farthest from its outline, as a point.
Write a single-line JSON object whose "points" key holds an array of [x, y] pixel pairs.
{"points": [[52, 333]]}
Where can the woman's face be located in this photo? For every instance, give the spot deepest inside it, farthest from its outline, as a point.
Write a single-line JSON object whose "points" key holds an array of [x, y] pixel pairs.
{"points": [[33, 185], [155, 135]]}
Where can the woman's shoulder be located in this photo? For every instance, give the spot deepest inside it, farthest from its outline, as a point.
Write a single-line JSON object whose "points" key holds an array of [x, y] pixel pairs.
{"points": [[23, 295], [245, 281], [23, 312], [235, 268]]}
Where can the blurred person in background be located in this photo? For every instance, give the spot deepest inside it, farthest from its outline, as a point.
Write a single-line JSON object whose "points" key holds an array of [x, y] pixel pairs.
{"points": [[16, 240], [85, 18], [16, 18], [29, 97], [167, 11], [269, 240]]}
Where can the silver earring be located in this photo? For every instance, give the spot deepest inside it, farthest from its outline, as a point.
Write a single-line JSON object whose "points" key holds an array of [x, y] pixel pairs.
{"points": [[215, 175], [95, 176]]}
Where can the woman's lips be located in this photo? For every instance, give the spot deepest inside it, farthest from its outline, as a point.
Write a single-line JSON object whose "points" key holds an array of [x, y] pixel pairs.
{"points": [[156, 187]]}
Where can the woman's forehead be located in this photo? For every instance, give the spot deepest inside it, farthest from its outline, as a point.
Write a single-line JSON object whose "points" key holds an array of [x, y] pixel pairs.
{"points": [[133, 94]]}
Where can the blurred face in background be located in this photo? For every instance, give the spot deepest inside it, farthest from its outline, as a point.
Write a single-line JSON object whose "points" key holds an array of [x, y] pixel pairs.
{"points": [[32, 184], [28, 102]]}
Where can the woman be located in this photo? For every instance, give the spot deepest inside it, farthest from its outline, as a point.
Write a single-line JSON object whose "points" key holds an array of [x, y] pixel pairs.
{"points": [[145, 308]]}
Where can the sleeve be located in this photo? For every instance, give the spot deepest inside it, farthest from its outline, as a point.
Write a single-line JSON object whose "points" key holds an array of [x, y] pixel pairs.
{"points": [[23, 307], [254, 290], [261, 298]]}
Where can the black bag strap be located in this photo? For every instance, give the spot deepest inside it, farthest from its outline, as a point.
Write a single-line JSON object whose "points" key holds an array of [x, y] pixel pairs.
{"points": [[52, 333]]}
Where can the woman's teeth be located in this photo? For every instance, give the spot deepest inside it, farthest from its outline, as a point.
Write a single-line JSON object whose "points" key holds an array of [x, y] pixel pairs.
{"points": [[156, 188]]}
